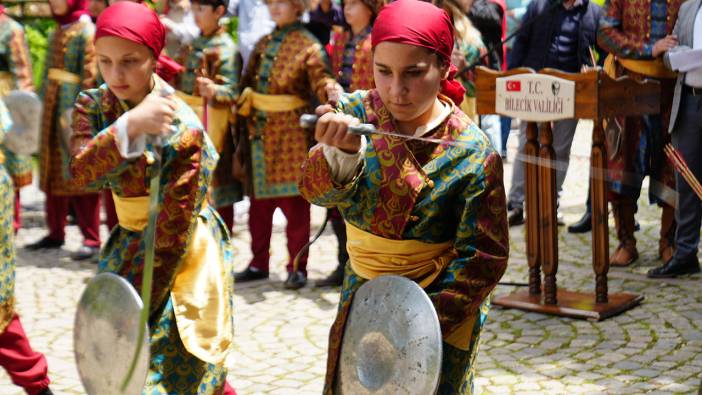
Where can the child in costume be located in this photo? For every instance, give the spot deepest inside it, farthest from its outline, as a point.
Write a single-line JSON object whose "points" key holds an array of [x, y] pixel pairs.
{"points": [[190, 340], [439, 209], [211, 74], [15, 74], [286, 68], [69, 68], [26, 367]]}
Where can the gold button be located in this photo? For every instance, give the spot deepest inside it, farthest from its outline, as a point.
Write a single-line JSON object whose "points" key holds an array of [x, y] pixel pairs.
{"points": [[430, 183], [413, 218]]}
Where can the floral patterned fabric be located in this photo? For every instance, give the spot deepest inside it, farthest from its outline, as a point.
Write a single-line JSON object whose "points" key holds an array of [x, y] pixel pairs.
{"points": [[7, 235], [16, 71], [218, 52], [288, 61], [70, 49], [189, 159], [428, 192], [631, 27], [352, 60]]}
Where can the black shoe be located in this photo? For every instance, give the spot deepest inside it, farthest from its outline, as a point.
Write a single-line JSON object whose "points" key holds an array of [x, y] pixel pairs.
{"points": [[295, 280], [584, 225], [45, 242], [85, 252], [515, 217], [335, 279], [47, 391], [675, 267], [637, 226], [250, 274]]}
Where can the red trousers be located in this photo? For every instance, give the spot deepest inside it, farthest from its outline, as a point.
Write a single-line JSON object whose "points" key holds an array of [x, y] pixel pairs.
{"points": [[111, 219], [26, 367], [227, 214], [17, 219], [297, 211], [87, 211]]}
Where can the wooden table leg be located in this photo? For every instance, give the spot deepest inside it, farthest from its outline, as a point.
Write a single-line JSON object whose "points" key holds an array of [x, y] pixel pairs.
{"points": [[531, 151], [598, 198], [549, 226]]}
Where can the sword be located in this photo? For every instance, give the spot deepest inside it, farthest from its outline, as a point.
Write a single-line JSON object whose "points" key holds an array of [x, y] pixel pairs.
{"points": [[149, 240], [367, 129]]}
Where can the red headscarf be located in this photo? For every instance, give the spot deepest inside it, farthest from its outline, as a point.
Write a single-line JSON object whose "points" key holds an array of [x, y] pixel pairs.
{"points": [[138, 23], [424, 25], [76, 9], [2, 9]]}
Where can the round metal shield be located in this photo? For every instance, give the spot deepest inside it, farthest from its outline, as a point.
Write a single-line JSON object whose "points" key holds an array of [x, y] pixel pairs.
{"points": [[392, 341], [105, 336], [25, 111]]}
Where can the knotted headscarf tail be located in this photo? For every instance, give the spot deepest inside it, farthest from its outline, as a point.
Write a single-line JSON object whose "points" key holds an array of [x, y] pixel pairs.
{"points": [[422, 24], [140, 24], [76, 9]]}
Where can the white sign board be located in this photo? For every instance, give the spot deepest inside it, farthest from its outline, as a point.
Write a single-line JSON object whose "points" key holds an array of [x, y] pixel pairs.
{"points": [[535, 97]]}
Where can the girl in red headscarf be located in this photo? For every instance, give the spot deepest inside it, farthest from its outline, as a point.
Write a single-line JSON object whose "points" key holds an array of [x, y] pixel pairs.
{"points": [[69, 68], [432, 212], [191, 317]]}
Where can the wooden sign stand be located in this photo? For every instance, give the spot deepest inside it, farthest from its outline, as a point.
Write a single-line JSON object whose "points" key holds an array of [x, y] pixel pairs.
{"points": [[597, 97]]}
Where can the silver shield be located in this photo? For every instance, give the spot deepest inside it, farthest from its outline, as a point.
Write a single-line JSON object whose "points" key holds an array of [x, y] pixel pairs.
{"points": [[105, 336], [392, 341], [25, 111]]}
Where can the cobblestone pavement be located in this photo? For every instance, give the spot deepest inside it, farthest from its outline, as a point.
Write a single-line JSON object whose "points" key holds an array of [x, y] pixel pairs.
{"points": [[281, 335]]}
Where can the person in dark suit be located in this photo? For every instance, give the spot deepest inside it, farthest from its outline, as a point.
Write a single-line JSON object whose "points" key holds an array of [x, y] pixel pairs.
{"points": [[686, 130]]}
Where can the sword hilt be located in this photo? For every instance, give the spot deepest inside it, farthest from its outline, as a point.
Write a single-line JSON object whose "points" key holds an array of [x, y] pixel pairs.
{"points": [[310, 120]]}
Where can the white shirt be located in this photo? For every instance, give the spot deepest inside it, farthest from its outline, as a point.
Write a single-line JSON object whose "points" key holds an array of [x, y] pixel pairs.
{"points": [[254, 23], [343, 166], [694, 77]]}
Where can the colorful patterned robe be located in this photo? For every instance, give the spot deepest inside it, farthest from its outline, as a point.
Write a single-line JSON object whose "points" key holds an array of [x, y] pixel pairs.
{"points": [[352, 60], [70, 49], [629, 30], [432, 193], [220, 50], [189, 159], [288, 61], [631, 27], [7, 234], [15, 74]]}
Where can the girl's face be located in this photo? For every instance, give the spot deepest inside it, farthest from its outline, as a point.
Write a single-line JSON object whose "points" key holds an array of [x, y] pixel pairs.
{"points": [[126, 66], [283, 12], [207, 17], [96, 7], [408, 80], [59, 7], [357, 14]]}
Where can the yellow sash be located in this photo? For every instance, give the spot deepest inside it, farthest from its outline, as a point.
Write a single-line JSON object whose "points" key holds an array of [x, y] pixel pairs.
{"points": [[372, 256], [63, 76], [267, 103], [650, 68], [217, 118], [7, 83], [199, 293]]}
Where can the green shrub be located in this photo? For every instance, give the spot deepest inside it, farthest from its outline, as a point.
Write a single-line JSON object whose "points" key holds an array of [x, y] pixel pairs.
{"points": [[37, 32]]}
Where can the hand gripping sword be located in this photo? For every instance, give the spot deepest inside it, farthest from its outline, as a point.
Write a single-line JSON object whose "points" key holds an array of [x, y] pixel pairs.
{"points": [[149, 239]]}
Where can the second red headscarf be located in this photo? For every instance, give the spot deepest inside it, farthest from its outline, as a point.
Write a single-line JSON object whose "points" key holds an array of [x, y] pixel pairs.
{"points": [[76, 9], [422, 24], [138, 23]]}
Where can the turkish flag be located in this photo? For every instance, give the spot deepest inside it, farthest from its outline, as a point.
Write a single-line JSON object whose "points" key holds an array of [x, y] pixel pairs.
{"points": [[513, 86]]}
